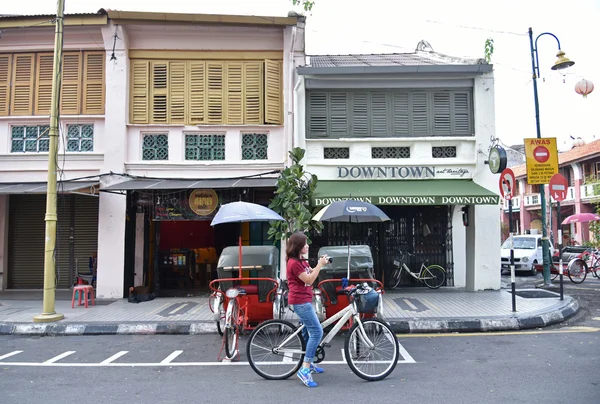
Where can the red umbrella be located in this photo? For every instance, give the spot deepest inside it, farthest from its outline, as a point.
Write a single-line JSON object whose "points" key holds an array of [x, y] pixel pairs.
{"points": [[581, 218]]}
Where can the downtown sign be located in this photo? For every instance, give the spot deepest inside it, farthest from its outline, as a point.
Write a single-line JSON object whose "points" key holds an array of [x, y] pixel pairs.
{"points": [[400, 172]]}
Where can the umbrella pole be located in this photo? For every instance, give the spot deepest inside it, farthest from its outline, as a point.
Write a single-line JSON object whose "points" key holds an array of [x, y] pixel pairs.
{"points": [[240, 253], [349, 229]]}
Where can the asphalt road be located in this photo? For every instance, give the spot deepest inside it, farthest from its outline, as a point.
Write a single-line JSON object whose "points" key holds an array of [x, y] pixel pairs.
{"points": [[527, 367]]}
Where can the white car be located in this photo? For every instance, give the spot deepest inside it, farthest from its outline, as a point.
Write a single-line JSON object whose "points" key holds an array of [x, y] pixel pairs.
{"points": [[527, 252]]}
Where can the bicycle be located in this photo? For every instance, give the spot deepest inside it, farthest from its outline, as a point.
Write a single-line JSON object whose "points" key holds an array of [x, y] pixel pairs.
{"points": [[279, 343], [433, 276]]}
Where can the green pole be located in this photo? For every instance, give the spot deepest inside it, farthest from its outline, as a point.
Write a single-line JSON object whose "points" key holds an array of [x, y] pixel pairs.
{"points": [[545, 246], [48, 313]]}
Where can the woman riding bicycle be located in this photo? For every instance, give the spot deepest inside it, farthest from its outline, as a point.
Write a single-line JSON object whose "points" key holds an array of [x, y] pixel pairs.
{"points": [[300, 279]]}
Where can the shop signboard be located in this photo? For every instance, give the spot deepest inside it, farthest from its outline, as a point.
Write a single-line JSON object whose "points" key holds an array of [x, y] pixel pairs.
{"points": [[196, 204]]}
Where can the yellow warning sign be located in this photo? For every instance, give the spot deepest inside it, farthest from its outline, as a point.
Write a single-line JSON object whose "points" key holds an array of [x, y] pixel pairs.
{"points": [[541, 157]]}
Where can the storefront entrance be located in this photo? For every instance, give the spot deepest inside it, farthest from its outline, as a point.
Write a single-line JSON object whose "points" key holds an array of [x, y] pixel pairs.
{"points": [[425, 231]]}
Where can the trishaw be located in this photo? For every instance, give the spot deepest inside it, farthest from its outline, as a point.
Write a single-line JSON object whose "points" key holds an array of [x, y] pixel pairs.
{"points": [[330, 297], [240, 303]]}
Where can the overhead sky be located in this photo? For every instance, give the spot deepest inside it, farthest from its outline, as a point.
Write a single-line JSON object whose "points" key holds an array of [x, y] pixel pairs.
{"points": [[457, 28]]}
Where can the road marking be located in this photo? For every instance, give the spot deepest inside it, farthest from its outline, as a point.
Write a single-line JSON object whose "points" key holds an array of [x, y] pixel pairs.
{"points": [[429, 303], [172, 356], [490, 334], [59, 357], [408, 302], [405, 355], [177, 309], [8, 355], [114, 357]]}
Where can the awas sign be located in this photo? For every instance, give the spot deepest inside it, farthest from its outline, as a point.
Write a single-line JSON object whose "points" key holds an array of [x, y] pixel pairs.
{"points": [[541, 159]]}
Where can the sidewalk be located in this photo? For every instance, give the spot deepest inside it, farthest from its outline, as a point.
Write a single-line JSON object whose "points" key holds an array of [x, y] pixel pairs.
{"points": [[407, 311]]}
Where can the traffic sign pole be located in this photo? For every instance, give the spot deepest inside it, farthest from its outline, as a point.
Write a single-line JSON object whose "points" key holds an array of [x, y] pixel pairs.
{"points": [[559, 186], [560, 263], [506, 184]]}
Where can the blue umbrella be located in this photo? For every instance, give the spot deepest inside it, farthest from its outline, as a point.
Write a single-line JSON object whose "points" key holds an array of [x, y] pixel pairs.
{"points": [[238, 212], [350, 211]]}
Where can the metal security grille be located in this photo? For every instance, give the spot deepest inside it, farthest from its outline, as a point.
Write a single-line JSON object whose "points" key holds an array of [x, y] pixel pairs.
{"points": [[254, 146], [331, 153], [80, 138], [155, 147], [443, 152], [204, 147], [33, 139], [390, 152], [425, 231]]}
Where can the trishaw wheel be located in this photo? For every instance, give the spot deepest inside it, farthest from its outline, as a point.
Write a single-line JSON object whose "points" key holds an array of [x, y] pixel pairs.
{"points": [[261, 350], [376, 363], [577, 271], [221, 322], [231, 328]]}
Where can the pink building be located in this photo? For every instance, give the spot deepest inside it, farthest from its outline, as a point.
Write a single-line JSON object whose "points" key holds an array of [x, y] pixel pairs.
{"points": [[581, 167]]}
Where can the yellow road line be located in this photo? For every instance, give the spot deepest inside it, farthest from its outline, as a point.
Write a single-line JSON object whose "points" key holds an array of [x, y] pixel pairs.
{"points": [[496, 333]]}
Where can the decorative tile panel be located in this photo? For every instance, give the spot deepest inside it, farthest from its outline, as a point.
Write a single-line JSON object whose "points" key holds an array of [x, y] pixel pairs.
{"points": [[80, 138], [30, 139], [390, 152], [254, 146], [331, 153], [155, 147], [443, 152], [204, 147]]}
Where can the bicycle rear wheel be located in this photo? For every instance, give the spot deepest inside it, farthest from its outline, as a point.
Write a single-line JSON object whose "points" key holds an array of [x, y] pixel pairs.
{"points": [[395, 278], [577, 271], [434, 276], [262, 350], [375, 363], [231, 328]]}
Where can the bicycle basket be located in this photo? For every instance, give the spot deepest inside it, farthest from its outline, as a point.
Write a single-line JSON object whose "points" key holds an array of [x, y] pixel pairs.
{"points": [[366, 300]]}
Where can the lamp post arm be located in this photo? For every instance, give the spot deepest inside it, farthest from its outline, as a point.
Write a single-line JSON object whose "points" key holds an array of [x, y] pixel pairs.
{"points": [[534, 51]]}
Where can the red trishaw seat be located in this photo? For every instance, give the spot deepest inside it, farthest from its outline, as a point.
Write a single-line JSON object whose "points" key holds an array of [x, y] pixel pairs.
{"points": [[249, 289]]}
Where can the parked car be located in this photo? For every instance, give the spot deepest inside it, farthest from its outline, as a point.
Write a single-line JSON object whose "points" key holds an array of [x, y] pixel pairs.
{"points": [[527, 252]]}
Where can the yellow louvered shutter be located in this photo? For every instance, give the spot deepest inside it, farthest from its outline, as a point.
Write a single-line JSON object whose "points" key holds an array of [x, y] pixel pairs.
{"points": [[70, 94], [22, 87], [234, 105], [214, 92], [177, 92], [5, 67], [197, 93], [273, 87], [139, 91], [253, 83], [43, 83], [93, 83], [160, 90]]}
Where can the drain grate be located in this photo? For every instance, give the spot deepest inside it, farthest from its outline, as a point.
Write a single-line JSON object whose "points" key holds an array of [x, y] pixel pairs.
{"points": [[534, 294]]}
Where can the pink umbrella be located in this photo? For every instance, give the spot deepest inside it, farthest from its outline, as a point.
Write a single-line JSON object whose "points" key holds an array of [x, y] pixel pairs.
{"points": [[581, 218]]}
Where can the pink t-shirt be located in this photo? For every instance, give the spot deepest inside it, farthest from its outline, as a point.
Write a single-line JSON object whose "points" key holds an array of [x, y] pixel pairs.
{"points": [[299, 292]]}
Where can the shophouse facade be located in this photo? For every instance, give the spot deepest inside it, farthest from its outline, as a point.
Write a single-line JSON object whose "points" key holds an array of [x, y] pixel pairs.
{"points": [[581, 167], [195, 114], [409, 133]]}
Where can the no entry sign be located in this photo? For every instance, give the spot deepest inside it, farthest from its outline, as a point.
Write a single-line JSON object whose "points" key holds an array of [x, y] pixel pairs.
{"points": [[558, 187], [541, 154]]}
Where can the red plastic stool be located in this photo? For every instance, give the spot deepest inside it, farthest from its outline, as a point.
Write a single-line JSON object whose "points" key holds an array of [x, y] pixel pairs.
{"points": [[85, 292]]}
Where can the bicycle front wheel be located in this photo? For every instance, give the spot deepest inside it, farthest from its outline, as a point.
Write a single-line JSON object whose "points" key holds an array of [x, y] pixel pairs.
{"points": [[395, 278], [375, 363], [231, 329], [577, 271], [266, 355], [434, 276]]}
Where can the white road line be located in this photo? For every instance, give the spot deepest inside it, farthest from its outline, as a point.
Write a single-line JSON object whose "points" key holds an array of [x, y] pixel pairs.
{"points": [[113, 358], [59, 357], [405, 355], [412, 306], [177, 309], [169, 358], [8, 355]]}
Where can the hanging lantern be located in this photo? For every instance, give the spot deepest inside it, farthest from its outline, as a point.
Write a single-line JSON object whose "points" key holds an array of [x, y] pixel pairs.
{"points": [[578, 142], [584, 87]]}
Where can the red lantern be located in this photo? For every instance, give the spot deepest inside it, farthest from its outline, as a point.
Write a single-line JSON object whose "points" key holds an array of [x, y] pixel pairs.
{"points": [[584, 87]]}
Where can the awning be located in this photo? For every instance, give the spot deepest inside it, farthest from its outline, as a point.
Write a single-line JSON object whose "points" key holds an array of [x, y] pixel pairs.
{"points": [[62, 187], [155, 184], [408, 192]]}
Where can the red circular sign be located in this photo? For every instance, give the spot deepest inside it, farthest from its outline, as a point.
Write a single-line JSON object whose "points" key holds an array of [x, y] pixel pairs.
{"points": [[541, 154], [559, 186], [507, 183]]}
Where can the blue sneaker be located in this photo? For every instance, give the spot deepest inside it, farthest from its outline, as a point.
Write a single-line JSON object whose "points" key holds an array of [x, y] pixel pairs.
{"points": [[306, 377], [315, 369]]}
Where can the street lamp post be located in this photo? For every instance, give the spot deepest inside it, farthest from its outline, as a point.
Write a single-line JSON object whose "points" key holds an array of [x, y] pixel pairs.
{"points": [[561, 63]]}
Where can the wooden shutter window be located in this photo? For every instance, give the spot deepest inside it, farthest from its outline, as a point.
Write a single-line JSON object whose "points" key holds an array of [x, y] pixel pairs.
{"points": [[338, 113], [253, 82], [317, 114], [273, 89], [197, 94], [160, 90], [379, 114], [43, 91], [215, 92], [5, 68], [70, 95], [177, 92], [400, 113], [420, 114], [22, 90], [441, 113], [360, 114], [93, 83], [234, 105], [139, 97], [461, 113]]}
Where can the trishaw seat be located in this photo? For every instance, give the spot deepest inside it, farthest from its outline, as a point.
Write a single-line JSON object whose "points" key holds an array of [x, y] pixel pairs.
{"points": [[248, 289]]}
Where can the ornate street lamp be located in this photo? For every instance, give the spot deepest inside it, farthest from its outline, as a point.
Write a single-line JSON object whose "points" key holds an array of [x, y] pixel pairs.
{"points": [[561, 63]]}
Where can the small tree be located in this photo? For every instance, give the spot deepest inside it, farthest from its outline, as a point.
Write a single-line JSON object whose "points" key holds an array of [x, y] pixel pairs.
{"points": [[308, 5], [292, 201], [488, 50]]}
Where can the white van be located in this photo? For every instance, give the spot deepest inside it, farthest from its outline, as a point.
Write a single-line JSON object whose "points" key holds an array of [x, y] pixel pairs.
{"points": [[527, 250]]}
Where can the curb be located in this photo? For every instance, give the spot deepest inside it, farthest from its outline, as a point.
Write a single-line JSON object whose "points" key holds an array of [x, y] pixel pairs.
{"points": [[428, 325]]}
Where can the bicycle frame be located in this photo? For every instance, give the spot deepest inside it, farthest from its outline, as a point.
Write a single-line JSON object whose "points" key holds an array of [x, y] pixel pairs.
{"points": [[341, 317], [417, 275]]}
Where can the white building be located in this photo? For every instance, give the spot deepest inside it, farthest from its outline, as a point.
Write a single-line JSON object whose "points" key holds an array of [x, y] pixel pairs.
{"points": [[410, 133]]}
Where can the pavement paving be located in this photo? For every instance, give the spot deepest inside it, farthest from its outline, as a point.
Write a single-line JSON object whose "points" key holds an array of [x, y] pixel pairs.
{"points": [[410, 310]]}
